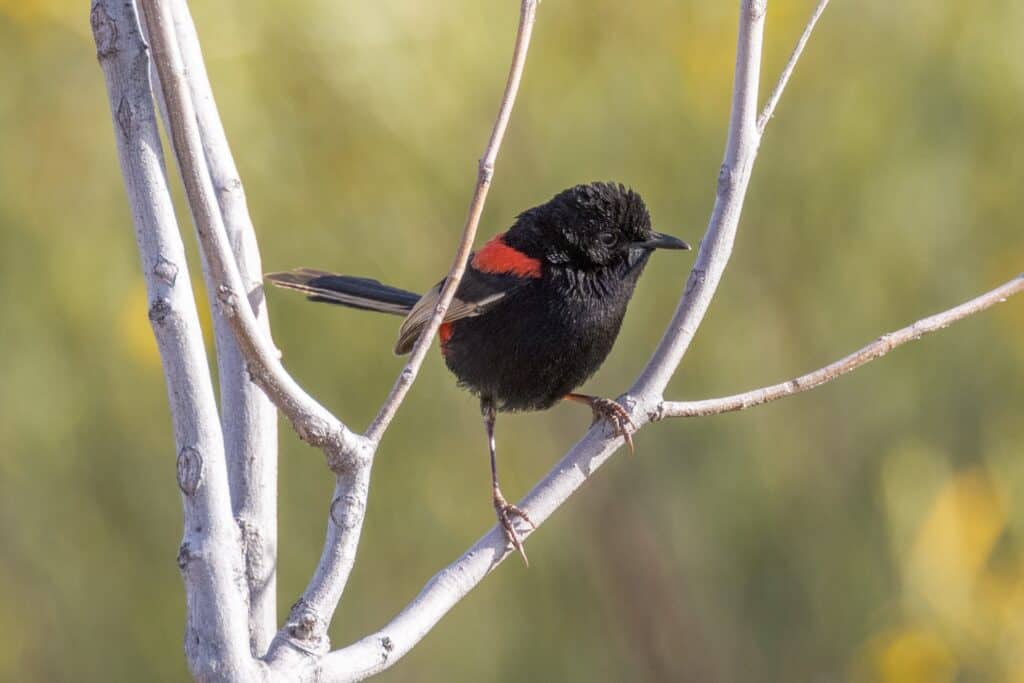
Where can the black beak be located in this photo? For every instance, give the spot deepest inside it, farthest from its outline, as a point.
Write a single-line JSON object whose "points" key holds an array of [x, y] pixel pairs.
{"points": [[661, 241]]}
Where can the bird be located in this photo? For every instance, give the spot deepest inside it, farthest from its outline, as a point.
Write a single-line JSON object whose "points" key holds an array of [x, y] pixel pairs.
{"points": [[535, 314]]}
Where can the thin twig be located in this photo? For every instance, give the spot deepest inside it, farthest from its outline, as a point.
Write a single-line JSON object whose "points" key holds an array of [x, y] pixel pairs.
{"points": [[381, 649], [527, 15], [874, 350], [216, 639], [313, 422], [306, 629], [248, 418], [769, 107]]}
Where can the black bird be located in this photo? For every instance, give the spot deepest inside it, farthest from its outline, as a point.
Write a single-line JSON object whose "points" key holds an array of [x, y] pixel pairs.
{"points": [[537, 310]]}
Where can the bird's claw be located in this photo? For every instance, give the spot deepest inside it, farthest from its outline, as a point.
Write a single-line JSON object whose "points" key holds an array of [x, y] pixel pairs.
{"points": [[507, 512], [618, 417]]}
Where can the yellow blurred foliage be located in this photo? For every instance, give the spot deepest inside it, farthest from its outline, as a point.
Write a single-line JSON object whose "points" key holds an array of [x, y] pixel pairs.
{"points": [[135, 333], [954, 542], [39, 10], [912, 655]]}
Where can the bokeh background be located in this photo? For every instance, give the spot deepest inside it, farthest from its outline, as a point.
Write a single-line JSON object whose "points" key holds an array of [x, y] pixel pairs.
{"points": [[868, 531]]}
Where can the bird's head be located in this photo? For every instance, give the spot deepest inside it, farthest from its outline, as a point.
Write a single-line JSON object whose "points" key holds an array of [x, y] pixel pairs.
{"points": [[589, 227]]}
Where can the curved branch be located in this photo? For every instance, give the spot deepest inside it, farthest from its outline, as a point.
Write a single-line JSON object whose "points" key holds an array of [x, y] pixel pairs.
{"points": [[527, 15], [876, 349], [307, 624], [380, 650], [787, 71], [248, 418], [216, 641], [716, 247], [314, 423]]}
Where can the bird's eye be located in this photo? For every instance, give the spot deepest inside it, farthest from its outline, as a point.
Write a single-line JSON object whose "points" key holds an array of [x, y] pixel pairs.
{"points": [[608, 239]]}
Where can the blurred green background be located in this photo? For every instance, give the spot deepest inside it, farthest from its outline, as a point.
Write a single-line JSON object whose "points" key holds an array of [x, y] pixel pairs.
{"points": [[868, 531]]}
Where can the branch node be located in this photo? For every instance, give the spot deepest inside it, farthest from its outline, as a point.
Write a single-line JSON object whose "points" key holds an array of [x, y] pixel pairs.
{"points": [[386, 646], [229, 301], [104, 31], [125, 117], [347, 510], [159, 310], [306, 629], [189, 470], [726, 180], [347, 453], [184, 555], [486, 172], [166, 270]]}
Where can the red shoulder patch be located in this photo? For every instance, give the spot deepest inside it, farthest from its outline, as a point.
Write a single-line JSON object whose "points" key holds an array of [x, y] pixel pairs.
{"points": [[497, 258], [444, 333]]}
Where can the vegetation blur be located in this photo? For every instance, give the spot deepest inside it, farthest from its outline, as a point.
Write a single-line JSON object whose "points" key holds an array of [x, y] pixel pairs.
{"points": [[871, 530]]}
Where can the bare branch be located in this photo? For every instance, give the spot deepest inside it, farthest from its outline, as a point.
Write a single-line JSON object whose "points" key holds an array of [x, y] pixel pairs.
{"points": [[380, 650], [716, 247], [876, 349], [216, 639], [527, 15], [314, 423], [307, 624], [248, 418], [769, 107]]}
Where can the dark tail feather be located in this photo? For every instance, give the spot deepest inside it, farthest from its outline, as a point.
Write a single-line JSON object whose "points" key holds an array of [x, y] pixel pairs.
{"points": [[346, 290]]}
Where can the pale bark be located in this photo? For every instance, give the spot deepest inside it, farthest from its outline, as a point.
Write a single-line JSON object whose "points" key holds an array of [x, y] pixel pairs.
{"points": [[306, 630], [218, 643], [216, 639], [485, 172], [866, 354], [248, 418]]}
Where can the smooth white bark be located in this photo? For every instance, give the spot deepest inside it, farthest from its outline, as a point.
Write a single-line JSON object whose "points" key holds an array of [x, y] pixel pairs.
{"points": [[248, 418], [216, 641], [218, 645], [306, 630], [866, 354]]}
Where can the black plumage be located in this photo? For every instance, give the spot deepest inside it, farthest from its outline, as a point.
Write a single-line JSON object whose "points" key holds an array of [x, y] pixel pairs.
{"points": [[537, 311]]}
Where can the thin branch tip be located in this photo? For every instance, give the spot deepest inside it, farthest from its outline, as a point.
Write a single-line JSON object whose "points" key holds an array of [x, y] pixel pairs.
{"points": [[881, 346]]}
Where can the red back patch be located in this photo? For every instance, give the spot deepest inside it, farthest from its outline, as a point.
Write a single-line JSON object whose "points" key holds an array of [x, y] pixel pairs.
{"points": [[497, 258]]}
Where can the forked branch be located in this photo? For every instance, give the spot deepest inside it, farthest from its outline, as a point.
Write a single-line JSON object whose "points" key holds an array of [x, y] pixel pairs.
{"points": [[213, 605], [216, 638], [248, 418]]}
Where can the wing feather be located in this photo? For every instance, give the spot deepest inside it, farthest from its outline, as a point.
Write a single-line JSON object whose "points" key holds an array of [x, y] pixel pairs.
{"points": [[476, 295]]}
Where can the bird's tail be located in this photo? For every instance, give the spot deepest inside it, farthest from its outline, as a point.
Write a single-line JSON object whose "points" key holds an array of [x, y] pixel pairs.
{"points": [[346, 290]]}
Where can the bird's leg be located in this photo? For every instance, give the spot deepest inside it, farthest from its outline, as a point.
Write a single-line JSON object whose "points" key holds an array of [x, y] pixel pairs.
{"points": [[506, 511], [612, 412]]}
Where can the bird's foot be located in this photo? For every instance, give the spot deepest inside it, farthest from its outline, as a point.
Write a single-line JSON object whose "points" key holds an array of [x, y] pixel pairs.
{"points": [[507, 513], [611, 412]]}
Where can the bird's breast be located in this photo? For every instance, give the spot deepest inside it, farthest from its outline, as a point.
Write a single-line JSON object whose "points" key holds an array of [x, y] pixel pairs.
{"points": [[541, 341]]}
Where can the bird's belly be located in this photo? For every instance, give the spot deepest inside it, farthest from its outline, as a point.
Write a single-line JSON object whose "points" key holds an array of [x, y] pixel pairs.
{"points": [[527, 356]]}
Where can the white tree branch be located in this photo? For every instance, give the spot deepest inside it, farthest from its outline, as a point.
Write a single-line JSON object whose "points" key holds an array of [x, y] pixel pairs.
{"points": [[248, 418], [380, 650], [312, 422], [306, 630], [216, 612], [216, 640], [485, 172], [716, 247], [787, 71], [874, 350]]}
